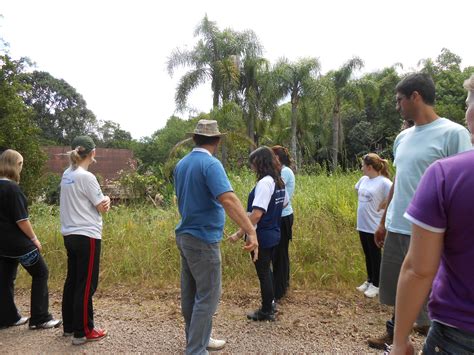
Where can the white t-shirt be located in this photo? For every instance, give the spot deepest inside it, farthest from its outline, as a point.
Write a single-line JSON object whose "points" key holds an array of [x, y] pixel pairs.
{"points": [[264, 192], [80, 193], [371, 193]]}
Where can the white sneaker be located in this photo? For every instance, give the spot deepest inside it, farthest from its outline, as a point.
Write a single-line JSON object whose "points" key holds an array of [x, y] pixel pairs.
{"points": [[21, 321], [215, 344], [364, 286], [372, 291]]}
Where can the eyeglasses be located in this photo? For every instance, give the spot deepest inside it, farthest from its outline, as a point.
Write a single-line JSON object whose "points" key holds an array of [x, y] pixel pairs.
{"points": [[400, 98]]}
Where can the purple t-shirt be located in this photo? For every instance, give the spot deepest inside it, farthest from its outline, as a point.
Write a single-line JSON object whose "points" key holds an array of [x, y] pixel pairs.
{"points": [[443, 203]]}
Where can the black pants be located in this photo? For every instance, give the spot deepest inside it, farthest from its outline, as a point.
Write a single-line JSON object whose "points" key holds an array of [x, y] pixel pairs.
{"points": [[281, 259], [83, 255], [39, 303], [262, 265], [372, 257]]}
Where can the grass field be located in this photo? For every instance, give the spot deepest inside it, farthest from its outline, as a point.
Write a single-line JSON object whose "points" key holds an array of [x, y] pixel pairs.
{"points": [[138, 247]]}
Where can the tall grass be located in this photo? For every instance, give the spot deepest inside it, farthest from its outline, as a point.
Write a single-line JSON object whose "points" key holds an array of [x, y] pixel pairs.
{"points": [[138, 246]]}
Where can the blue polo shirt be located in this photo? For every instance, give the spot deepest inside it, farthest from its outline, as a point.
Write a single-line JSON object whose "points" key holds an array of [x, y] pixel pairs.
{"points": [[199, 179]]}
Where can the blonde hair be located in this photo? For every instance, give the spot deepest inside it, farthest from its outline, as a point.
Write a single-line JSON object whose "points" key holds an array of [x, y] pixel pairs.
{"points": [[9, 167], [469, 83], [78, 155], [376, 162]]}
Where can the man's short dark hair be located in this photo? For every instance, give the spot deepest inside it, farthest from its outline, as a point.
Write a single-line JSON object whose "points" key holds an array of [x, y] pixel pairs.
{"points": [[419, 82], [204, 140]]}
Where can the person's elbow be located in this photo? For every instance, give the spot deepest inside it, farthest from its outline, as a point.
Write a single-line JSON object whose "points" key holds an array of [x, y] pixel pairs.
{"points": [[419, 271], [227, 199]]}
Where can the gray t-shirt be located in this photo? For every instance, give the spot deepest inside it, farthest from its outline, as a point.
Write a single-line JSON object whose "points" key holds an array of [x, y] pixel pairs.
{"points": [[80, 193], [414, 150]]}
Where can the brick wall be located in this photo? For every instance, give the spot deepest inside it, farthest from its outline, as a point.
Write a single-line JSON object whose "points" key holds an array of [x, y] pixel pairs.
{"points": [[109, 161]]}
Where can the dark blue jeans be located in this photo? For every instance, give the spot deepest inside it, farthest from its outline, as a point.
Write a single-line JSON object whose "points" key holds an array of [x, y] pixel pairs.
{"points": [[443, 339], [35, 265]]}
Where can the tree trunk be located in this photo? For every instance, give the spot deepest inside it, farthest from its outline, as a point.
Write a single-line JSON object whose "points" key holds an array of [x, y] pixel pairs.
{"points": [[294, 107], [335, 136], [224, 152], [251, 126], [215, 98]]}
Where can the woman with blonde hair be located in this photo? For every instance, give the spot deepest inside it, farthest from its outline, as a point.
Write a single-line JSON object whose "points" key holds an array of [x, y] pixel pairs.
{"points": [[81, 205], [372, 190], [20, 245]]}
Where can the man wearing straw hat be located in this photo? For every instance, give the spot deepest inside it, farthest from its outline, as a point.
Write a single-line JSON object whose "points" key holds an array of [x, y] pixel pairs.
{"points": [[204, 196]]}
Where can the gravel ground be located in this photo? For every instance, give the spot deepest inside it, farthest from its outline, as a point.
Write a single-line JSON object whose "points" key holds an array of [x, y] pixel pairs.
{"points": [[151, 322]]}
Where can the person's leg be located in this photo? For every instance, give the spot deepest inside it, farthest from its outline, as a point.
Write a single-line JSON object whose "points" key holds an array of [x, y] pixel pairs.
{"points": [[262, 266], [375, 257], [204, 262], [188, 288], [443, 339], [35, 265], [280, 262], [392, 259], [8, 311], [69, 287], [87, 251], [365, 247], [288, 224]]}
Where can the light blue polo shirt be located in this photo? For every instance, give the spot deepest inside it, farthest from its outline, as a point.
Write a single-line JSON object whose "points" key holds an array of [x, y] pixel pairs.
{"points": [[289, 179], [199, 179], [414, 150]]}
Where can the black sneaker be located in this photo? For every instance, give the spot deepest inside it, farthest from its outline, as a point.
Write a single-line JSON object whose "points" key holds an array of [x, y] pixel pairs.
{"points": [[258, 315]]}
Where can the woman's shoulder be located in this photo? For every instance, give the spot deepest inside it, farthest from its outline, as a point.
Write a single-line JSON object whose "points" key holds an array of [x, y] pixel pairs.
{"points": [[267, 180], [10, 185]]}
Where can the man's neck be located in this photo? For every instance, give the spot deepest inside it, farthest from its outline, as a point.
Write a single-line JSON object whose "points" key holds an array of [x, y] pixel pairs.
{"points": [[210, 148], [426, 116]]}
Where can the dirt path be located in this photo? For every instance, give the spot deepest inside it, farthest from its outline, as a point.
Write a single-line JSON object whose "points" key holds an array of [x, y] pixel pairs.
{"points": [[307, 322]]}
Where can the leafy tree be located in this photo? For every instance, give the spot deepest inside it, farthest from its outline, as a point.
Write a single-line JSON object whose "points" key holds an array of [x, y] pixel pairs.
{"points": [[258, 95], [18, 131], [296, 80], [112, 136], [342, 90], [59, 110], [155, 150], [215, 57], [448, 77]]}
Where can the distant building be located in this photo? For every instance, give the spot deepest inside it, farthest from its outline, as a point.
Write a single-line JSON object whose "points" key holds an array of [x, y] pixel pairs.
{"points": [[110, 162]]}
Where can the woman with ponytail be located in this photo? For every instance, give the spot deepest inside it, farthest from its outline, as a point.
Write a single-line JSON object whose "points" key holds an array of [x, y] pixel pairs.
{"points": [[281, 258], [372, 189], [81, 205]]}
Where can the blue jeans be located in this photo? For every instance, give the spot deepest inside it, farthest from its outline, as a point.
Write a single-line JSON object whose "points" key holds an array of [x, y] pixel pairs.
{"points": [[200, 289], [35, 265], [443, 339]]}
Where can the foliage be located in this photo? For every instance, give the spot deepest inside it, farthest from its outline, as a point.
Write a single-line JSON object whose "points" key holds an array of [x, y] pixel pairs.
{"points": [[139, 241], [17, 129], [59, 110], [141, 187], [215, 57], [50, 188]]}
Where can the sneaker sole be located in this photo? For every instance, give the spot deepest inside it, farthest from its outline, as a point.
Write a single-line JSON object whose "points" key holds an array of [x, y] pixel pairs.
{"points": [[37, 327], [216, 348]]}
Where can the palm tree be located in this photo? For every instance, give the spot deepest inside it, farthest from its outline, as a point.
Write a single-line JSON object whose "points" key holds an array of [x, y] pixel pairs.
{"points": [[215, 57], [258, 96], [342, 91], [296, 79]]}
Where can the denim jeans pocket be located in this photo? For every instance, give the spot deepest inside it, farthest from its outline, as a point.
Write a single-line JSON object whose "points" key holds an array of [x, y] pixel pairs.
{"points": [[29, 259]]}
